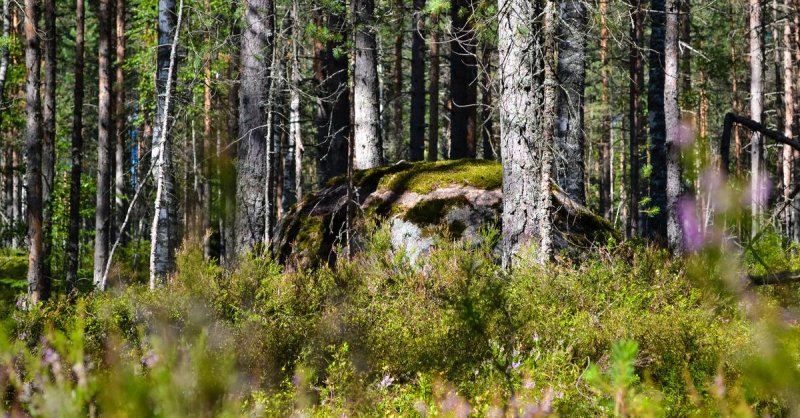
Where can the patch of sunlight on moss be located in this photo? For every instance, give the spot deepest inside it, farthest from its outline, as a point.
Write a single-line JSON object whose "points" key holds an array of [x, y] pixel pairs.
{"points": [[310, 234], [433, 211], [425, 177]]}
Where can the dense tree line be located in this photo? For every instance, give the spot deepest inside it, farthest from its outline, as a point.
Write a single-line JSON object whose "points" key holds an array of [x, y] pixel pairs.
{"points": [[207, 120]]}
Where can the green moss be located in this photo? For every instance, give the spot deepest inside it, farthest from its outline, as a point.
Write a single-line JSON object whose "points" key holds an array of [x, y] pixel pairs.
{"points": [[431, 212], [425, 177], [310, 234]]}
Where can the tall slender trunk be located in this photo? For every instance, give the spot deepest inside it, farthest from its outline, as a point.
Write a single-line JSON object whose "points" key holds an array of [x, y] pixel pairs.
{"points": [[162, 229], [487, 103], [207, 169], [333, 105], [398, 143], [735, 94], [49, 126], [417, 123], [463, 81], [104, 129], [672, 126], [433, 87], [17, 197], [8, 165], [226, 154], [756, 109], [38, 284], [292, 131], [368, 148], [605, 135], [635, 118], [571, 75], [251, 171], [655, 106], [120, 133], [527, 111], [788, 105], [76, 150]]}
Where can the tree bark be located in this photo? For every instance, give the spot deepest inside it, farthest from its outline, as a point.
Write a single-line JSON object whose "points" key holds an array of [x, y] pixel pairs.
{"points": [[76, 150], [290, 169], [433, 99], [463, 81], [251, 170], [49, 125], [635, 117], [673, 127], [333, 104], [417, 123], [368, 147], [38, 284], [487, 102], [8, 164], [788, 108], [162, 229], [104, 129], [657, 226], [206, 169], [226, 154], [527, 105], [569, 120], [398, 143], [120, 132], [756, 109]]}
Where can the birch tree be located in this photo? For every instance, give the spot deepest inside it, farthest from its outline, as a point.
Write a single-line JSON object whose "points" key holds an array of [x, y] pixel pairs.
{"points": [[368, 148]]}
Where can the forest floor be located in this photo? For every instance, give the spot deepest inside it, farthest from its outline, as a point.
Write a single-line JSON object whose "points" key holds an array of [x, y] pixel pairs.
{"points": [[628, 330]]}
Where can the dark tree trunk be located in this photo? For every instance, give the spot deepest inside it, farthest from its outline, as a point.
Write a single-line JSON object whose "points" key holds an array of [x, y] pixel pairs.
{"points": [[333, 104], [463, 81], [433, 99], [367, 144], [49, 125], [38, 284], [251, 170], [417, 123], [635, 117], [655, 106], [227, 154], [487, 104], [527, 112], [571, 75], [104, 129], [120, 133], [76, 151], [398, 148], [207, 166]]}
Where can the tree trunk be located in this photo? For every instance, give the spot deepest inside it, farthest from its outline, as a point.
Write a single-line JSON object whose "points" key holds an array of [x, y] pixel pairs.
{"points": [[162, 229], [672, 127], [49, 125], [433, 99], [207, 169], [227, 154], [120, 132], [487, 104], [605, 135], [527, 105], [251, 171], [788, 107], [655, 106], [73, 230], [368, 148], [796, 125], [104, 129], [635, 117], [398, 142], [463, 81], [292, 77], [417, 123], [756, 109], [8, 164], [38, 284], [571, 75], [333, 106]]}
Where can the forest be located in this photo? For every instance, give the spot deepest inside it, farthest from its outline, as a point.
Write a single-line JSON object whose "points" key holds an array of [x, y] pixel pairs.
{"points": [[447, 208]]}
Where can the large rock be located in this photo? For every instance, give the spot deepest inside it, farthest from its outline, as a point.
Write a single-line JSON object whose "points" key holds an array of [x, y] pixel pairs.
{"points": [[420, 201]]}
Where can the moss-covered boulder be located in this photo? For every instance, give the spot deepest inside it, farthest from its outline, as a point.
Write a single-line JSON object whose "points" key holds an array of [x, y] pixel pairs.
{"points": [[420, 201]]}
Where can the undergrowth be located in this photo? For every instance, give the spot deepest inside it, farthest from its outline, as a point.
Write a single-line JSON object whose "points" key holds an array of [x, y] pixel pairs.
{"points": [[628, 332]]}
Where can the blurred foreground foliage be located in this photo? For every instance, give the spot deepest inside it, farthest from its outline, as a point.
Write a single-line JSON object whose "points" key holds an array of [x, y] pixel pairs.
{"points": [[629, 331]]}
